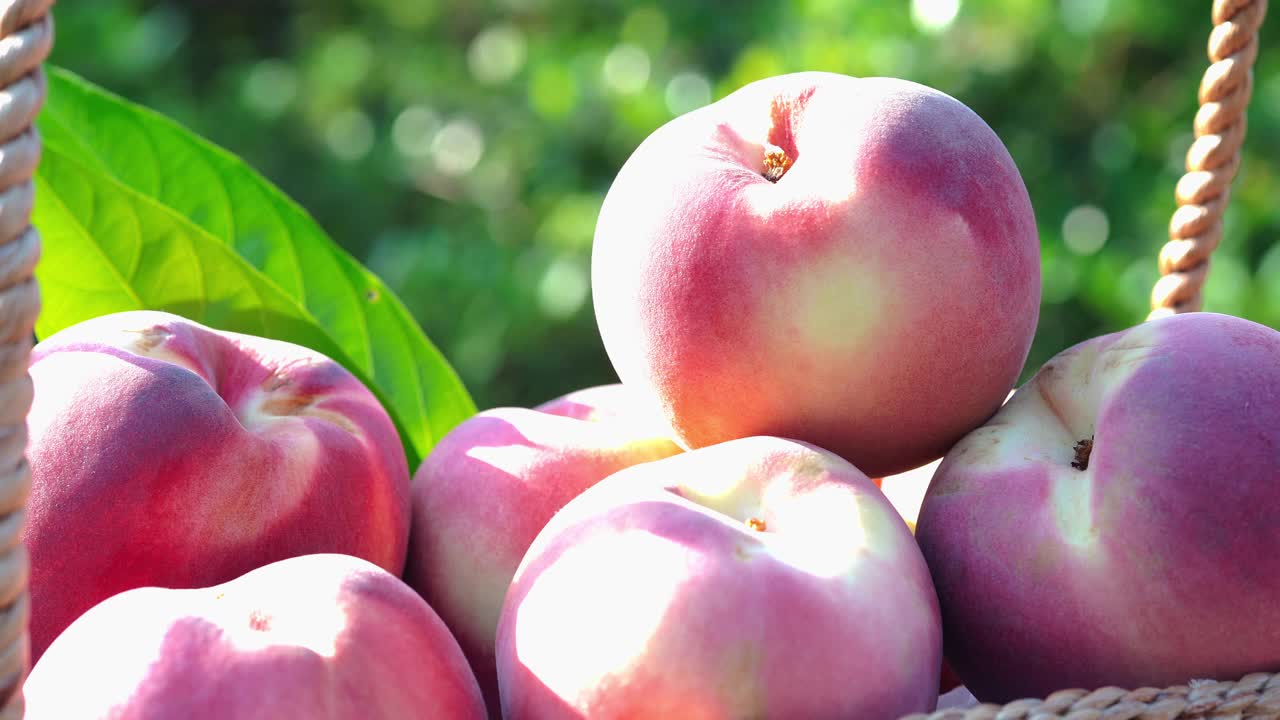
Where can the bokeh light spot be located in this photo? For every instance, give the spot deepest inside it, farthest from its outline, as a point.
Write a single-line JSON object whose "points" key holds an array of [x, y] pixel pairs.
{"points": [[687, 91], [414, 130], [564, 288], [346, 59], [497, 54], [349, 134], [457, 147], [934, 16], [270, 87], [1084, 230], [626, 69]]}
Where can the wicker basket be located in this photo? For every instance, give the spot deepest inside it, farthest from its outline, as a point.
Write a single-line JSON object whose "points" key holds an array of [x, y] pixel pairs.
{"points": [[26, 35]]}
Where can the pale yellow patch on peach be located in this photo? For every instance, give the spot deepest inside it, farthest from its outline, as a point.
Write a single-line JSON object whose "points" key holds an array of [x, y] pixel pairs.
{"points": [[242, 498], [1043, 421], [789, 511], [152, 343], [822, 531], [1067, 395], [1072, 508], [739, 681], [830, 307], [315, 625], [574, 639], [277, 402], [724, 484], [1029, 433], [862, 290], [808, 181], [140, 332]]}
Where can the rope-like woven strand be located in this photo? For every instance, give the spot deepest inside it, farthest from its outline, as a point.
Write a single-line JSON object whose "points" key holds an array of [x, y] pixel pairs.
{"points": [[1202, 194], [26, 36], [1253, 697]]}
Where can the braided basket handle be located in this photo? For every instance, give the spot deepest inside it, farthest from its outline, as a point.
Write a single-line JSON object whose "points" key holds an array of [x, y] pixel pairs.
{"points": [[1212, 160], [26, 36]]}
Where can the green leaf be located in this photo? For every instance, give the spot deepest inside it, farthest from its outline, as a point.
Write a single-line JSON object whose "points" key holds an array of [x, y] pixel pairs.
{"points": [[137, 212]]}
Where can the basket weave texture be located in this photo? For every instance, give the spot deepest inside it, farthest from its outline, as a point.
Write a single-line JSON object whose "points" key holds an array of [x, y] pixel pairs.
{"points": [[26, 36], [1253, 697]]}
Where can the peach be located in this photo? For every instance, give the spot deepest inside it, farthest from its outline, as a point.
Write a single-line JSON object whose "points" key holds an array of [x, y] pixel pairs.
{"points": [[848, 262], [614, 402], [489, 486], [167, 453], [323, 637], [1117, 522], [906, 490], [760, 577]]}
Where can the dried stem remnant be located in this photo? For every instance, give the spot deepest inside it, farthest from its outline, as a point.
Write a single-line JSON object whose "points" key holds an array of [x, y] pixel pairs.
{"points": [[776, 162], [1083, 450]]}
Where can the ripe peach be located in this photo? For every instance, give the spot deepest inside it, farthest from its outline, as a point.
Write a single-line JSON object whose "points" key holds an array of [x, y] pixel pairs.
{"points": [[1117, 522], [760, 577], [848, 262], [323, 637], [489, 486], [167, 453], [615, 402]]}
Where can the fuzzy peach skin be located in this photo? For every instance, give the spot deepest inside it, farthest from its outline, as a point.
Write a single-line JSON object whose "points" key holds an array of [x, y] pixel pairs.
{"points": [[906, 489], [760, 577], [613, 402], [878, 300], [167, 453], [322, 637], [1152, 558], [489, 486]]}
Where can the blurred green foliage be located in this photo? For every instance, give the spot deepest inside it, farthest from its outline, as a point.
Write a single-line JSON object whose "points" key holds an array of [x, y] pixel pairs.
{"points": [[462, 149]]}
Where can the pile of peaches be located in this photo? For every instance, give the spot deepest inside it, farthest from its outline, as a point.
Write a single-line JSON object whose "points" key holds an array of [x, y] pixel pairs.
{"points": [[806, 289]]}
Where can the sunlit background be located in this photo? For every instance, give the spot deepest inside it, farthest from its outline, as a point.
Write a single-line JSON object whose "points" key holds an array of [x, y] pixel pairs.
{"points": [[462, 149]]}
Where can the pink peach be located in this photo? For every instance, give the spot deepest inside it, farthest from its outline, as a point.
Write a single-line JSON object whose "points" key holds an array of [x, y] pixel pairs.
{"points": [[760, 577], [322, 637], [167, 453], [489, 486], [1118, 521], [848, 262]]}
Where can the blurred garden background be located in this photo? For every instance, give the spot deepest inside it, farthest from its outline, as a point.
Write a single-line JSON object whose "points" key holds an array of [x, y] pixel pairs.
{"points": [[461, 149]]}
